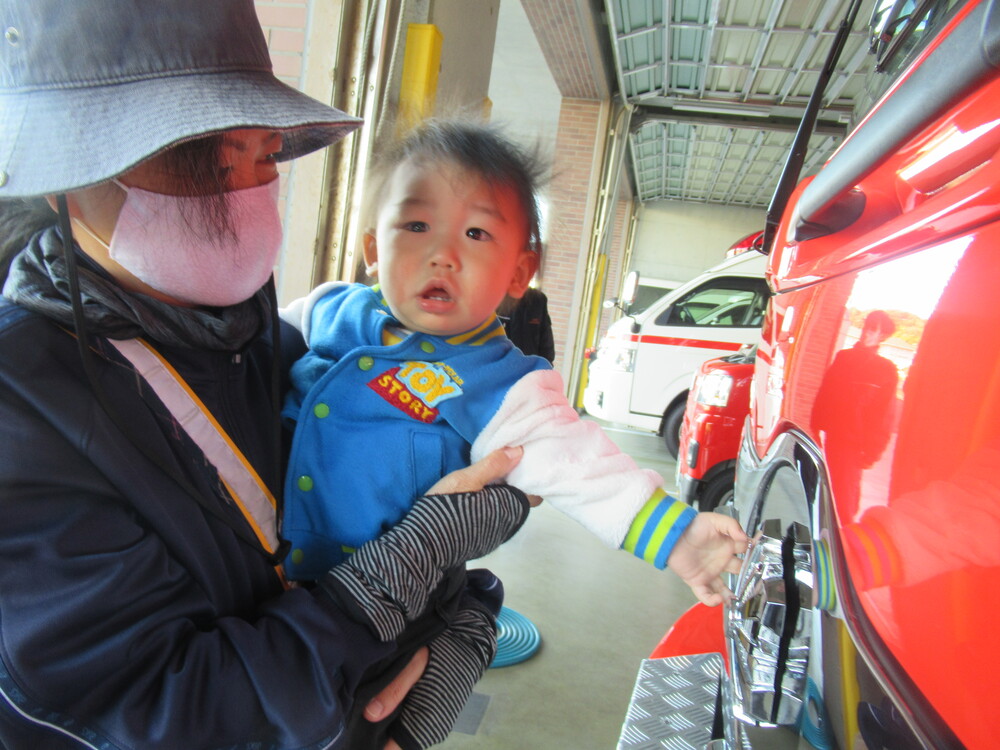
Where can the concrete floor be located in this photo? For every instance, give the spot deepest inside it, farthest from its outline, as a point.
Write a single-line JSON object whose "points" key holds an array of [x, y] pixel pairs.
{"points": [[599, 613]]}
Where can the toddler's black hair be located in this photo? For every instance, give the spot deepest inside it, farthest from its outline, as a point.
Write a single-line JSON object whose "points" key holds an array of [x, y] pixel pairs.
{"points": [[478, 148]]}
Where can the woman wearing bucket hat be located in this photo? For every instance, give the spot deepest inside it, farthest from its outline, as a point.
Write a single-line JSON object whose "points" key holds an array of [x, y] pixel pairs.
{"points": [[141, 596]]}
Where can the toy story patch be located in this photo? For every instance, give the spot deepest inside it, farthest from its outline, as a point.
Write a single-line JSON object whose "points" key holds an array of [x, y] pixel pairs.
{"points": [[416, 388]]}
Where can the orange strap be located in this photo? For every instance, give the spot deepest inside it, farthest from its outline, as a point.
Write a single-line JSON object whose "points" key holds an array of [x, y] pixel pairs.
{"points": [[245, 486]]}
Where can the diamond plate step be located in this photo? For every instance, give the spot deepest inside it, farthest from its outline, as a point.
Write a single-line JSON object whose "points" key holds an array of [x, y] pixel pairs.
{"points": [[673, 703]]}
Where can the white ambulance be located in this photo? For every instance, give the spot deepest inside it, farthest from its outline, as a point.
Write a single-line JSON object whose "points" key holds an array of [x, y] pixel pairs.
{"points": [[644, 365]]}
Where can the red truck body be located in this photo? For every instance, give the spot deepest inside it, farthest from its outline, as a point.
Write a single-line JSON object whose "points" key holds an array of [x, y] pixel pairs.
{"points": [[868, 469]]}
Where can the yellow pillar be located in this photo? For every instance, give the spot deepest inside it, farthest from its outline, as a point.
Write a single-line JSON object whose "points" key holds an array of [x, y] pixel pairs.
{"points": [[421, 63], [593, 318]]}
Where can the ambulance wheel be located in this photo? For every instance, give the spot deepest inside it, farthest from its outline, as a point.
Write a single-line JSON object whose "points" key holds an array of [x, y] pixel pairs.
{"points": [[672, 419]]}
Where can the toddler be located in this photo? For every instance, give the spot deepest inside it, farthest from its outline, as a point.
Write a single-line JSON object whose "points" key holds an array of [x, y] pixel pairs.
{"points": [[414, 377]]}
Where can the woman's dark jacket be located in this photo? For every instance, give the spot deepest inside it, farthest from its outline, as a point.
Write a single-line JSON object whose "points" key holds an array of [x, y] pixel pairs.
{"points": [[124, 606]]}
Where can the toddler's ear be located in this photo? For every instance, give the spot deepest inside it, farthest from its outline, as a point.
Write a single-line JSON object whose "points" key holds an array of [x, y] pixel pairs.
{"points": [[370, 250], [527, 264]]}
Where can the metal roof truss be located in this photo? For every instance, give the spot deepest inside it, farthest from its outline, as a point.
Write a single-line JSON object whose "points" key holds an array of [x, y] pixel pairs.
{"points": [[719, 87]]}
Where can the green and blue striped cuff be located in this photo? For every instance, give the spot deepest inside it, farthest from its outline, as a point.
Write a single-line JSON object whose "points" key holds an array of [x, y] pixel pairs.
{"points": [[656, 529]]}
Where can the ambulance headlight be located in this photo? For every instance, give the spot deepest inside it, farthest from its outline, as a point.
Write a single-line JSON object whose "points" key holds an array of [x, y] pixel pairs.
{"points": [[616, 358], [622, 359]]}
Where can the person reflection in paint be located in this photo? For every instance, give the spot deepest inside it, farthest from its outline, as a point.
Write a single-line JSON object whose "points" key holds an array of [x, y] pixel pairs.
{"points": [[853, 408]]}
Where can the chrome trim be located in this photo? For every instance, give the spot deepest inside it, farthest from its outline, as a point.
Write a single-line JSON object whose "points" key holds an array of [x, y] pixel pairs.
{"points": [[771, 621], [768, 626]]}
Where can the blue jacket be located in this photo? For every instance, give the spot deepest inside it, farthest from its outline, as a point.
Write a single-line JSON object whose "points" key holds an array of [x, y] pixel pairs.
{"points": [[421, 403], [216, 653], [427, 405]]}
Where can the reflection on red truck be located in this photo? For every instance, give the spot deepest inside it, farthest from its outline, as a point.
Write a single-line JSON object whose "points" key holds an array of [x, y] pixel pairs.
{"points": [[868, 472]]}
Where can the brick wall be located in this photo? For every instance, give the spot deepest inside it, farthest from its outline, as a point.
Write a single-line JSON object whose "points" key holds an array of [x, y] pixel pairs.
{"points": [[284, 23], [568, 236], [570, 45]]}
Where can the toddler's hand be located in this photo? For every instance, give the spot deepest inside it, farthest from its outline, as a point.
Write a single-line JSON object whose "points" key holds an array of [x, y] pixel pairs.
{"points": [[708, 548]]}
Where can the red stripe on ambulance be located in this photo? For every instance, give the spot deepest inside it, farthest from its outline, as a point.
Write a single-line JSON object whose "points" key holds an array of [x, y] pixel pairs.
{"points": [[694, 343]]}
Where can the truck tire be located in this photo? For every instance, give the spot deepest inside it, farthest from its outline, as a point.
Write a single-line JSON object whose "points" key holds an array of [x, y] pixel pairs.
{"points": [[717, 491], [672, 419]]}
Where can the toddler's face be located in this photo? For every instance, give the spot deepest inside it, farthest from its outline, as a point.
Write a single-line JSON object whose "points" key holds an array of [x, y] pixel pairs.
{"points": [[447, 248]]}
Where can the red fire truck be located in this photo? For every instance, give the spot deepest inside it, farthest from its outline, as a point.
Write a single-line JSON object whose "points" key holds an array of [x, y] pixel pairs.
{"points": [[868, 471]]}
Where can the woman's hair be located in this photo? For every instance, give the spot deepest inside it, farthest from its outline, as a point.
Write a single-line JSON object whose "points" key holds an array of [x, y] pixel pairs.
{"points": [[481, 150], [196, 167]]}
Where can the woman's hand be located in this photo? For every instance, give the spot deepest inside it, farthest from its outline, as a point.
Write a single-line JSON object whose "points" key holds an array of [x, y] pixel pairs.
{"points": [[391, 578], [487, 470], [393, 694], [490, 468]]}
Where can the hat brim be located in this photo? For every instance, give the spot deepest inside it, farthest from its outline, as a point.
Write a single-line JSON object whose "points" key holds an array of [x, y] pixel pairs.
{"points": [[58, 140]]}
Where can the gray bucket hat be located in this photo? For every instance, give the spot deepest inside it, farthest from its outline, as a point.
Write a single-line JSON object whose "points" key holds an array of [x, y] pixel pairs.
{"points": [[90, 88]]}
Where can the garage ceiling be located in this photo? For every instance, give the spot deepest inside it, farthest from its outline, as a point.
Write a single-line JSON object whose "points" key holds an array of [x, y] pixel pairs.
{"points": [[718, 86]]}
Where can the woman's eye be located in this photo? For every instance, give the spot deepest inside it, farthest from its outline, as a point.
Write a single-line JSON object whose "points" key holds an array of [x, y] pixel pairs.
{"points": [[475, 233]]}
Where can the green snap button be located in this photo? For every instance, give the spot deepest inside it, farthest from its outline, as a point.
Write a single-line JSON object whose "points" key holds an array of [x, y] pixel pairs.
{"points": [[366, 363], [297, 556], [305, 483], [321, 411], [427, 346]]}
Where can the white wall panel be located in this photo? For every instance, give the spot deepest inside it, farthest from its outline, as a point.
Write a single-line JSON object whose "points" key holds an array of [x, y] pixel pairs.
{"points": [[678, 240]]}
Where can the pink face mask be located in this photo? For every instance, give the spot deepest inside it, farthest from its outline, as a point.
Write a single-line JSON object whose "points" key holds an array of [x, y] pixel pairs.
{"points": [[153, 240]]}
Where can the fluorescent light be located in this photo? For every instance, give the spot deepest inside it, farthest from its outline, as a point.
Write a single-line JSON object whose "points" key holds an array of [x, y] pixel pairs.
{"points": [[722, 109]]}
